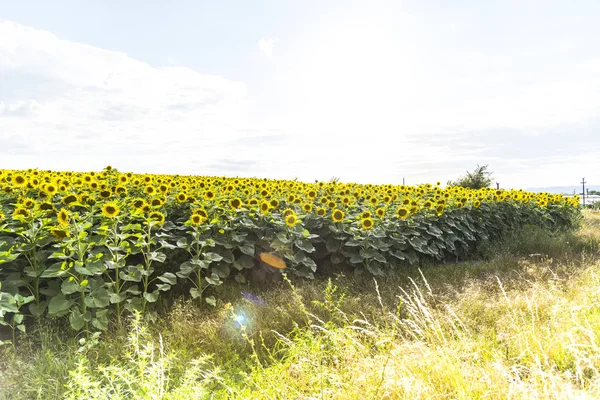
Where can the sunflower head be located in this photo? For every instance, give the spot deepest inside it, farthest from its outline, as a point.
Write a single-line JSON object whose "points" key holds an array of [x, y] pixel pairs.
{"points": [[402, 212], [291, 220], [287, 212], [380, 212], [19, 180], [367, 223], [307, 207], [321, 211], [60, 232], [157, 216], [365, 214], [181, 197], [110, 210], [337, 215], [235, 203], [28, 203], [63, 217], [68, 199], [274, 203], [265, 207], [196, 219]]}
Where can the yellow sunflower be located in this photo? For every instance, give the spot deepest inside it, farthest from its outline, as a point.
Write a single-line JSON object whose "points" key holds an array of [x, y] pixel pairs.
{"points": [[196, 219], [367, 223], [110, 210], [63, 217], [157, 216], [402, 212], [321, 211], [337, 215], [235, 203], [291, 220]]}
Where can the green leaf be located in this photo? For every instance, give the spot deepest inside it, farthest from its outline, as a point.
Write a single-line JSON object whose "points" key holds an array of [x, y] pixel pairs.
{"points": [[151, 297], [37, 309], [247, 248], [182, 243], [240, 278], [70, 286], [117, 298], [101, 320], [211, 300], [58, 305], [157, 256], [76, 319], [55, 270], [168, 277], [243, 262], [195, 292], [305, 244], [213, 279], [210, 256]]}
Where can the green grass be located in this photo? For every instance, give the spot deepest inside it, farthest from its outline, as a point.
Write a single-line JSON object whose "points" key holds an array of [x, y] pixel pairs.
{"points": [[521, 322]]}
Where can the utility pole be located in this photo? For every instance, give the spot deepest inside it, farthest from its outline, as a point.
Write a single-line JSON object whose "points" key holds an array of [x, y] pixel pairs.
{"points": [[497, 186], [583, 182], [402, 181]]}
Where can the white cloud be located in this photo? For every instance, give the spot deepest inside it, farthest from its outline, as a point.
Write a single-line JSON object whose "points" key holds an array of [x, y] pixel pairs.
{"points": [[83, 107], [266, 46]]}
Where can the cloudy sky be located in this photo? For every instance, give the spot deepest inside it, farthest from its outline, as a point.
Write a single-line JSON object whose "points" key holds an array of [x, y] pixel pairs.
{"points": [[367, 91]]}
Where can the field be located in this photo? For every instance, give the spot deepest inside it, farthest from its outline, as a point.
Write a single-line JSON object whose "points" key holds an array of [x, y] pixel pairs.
{"points": [[135, 286]]}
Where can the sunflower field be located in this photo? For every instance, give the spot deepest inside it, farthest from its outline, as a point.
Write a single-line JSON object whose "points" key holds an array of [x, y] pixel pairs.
{"points": [[90, 247]]}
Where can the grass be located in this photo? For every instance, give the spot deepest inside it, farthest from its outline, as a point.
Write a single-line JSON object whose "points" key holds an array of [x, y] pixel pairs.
{"points": [[522, 322]]}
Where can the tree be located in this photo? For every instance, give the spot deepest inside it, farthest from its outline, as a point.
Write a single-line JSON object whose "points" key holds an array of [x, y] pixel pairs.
{"points": [[479, 178]]}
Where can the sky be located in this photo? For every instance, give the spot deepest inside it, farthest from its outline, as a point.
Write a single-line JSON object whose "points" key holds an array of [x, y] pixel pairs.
{"points": [[365, 91]]}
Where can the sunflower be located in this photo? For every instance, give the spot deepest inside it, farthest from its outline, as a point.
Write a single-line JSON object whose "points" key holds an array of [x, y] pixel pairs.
{"points": [[380, 212], [307, 207], [181, 197], [71, 198], [337, 215], [252, 202], [50, 189], [149, 190], [209, 195], [287, 212], [311, 194], [196, 219], [157, 216], [331, 204], [110, 210], [274, 203], [235, 203], [439, 210], [46, 206], [402, 212], [264, 207], [2, 216], [105, 194], [366, 214], [476, 203], [19, 180], [201, 212], [60, 233], [28, 203], [63, 217], [157, 202], [138, 203], [291, 220], [367, 223], [321, 211]]}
